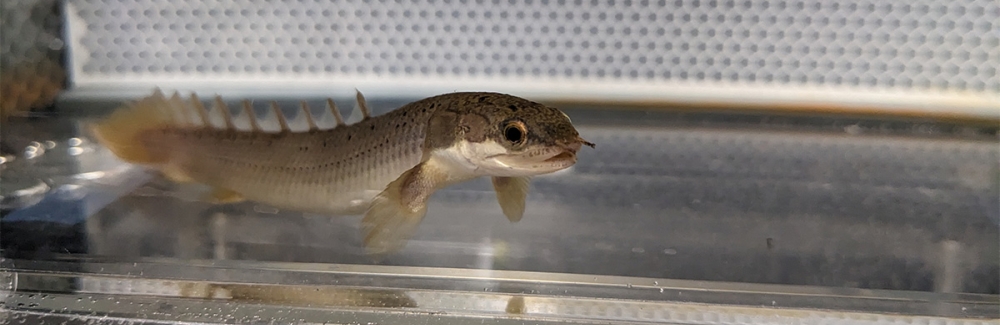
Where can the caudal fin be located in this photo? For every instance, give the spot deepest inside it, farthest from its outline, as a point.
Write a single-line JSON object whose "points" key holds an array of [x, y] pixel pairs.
{"points": [[120, 131]]}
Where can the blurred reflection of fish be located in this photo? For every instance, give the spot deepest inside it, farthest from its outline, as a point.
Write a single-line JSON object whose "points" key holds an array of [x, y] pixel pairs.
{"points": [[385, 167]]}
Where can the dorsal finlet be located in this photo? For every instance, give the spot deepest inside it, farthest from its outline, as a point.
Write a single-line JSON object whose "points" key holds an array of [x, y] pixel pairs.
{"points": [[227, 117], [168, 108], [333, 110], [178, 104], [202, 112], [158, 102], [365, 113], [309, 117], [248, 111], [281, 117]]}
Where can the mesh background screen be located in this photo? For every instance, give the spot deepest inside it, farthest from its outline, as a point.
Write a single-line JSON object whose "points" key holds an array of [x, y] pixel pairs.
{"points": [[908, 46]]}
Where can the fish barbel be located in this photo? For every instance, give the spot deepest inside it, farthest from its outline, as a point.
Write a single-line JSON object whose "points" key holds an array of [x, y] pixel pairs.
{"points": [[385, 167]]}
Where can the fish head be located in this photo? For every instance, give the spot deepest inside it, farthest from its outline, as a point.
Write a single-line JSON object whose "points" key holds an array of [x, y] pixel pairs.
{"points": [[504, 135]]}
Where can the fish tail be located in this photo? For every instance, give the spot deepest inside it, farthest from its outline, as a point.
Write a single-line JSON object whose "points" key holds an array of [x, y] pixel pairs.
{"points": [[121, 131]]}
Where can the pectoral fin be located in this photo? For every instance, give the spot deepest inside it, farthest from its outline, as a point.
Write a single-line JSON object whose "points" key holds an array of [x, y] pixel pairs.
{"points": [[511, 193], [175, 174], [222, 196], [396, 212]]}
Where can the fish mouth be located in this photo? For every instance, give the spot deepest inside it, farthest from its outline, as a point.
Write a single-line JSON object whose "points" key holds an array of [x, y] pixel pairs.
{"points": [[562, 156], [567, 151]]}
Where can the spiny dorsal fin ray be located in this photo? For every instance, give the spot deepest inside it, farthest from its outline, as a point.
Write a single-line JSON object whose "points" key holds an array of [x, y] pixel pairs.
{"points": [[334, 111], [178, 104], [159, 97], [309, 117], [363, 105], [248, 111], [176, 112], [227, 117], [360, 111], [202, 112], [280, 116], [159, 101]]}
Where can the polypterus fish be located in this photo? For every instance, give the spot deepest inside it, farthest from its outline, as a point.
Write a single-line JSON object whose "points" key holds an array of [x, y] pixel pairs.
{"points": [[385, 167]]}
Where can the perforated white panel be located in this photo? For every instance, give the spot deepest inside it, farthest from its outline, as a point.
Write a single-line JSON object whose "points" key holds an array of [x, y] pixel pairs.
{"points": [[645, 49]]}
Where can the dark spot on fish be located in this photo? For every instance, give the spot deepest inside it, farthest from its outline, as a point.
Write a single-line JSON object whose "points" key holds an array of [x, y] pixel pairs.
{"points": [[482, 99], [373, 127], [349, 137], [513, 108]]}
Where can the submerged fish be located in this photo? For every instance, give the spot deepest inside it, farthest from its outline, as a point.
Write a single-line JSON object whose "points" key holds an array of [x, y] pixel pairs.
{"points": [[385, 167]]}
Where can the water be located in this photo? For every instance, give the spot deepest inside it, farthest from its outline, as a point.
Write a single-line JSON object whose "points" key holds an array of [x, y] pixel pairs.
{"points": [[702, 204]]}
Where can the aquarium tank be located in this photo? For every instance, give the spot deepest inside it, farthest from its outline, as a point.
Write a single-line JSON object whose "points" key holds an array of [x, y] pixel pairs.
{"points": [[752, 162]]}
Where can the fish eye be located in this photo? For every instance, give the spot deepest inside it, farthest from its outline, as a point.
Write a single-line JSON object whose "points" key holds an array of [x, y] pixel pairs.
{"points": [[515, 132]]}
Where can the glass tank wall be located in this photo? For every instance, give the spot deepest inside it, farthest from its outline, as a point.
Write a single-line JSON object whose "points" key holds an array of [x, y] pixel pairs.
{"points": [[781, 162]]}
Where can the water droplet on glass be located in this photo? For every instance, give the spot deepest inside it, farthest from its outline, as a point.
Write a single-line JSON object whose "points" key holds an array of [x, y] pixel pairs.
{"points": [[56, 44]]}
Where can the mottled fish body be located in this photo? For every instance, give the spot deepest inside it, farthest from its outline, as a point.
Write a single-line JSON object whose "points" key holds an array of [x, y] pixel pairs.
{"points": [[385, 166]]}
